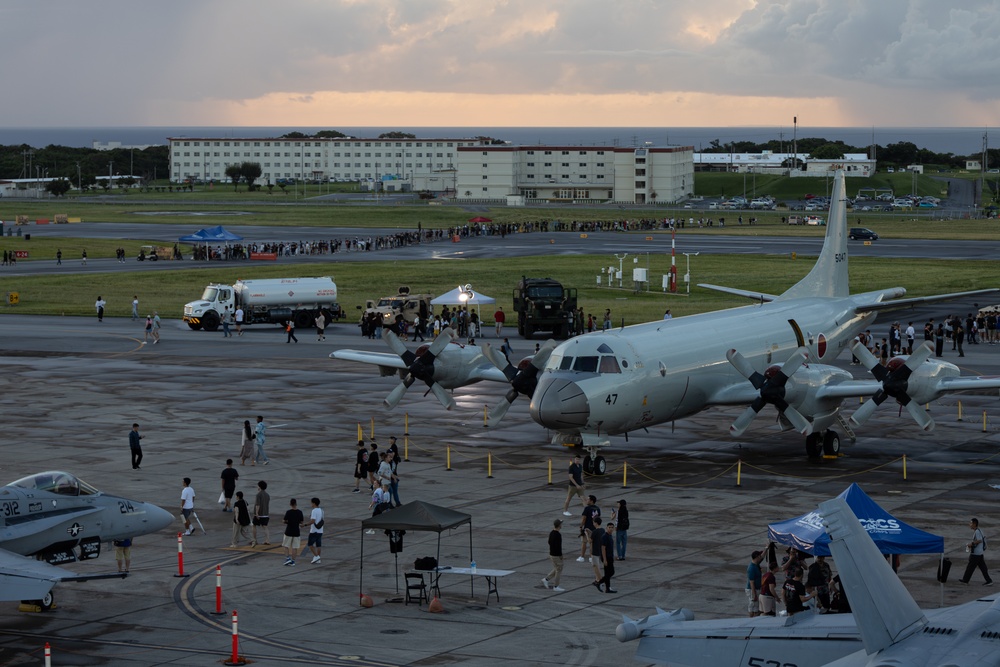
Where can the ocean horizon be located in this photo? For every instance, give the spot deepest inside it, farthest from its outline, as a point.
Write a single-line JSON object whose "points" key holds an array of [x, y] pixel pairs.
{"points": [[957, 140]]}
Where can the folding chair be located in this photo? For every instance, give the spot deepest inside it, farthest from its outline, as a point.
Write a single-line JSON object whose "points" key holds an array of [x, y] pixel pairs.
{"points": [[416, 589]]}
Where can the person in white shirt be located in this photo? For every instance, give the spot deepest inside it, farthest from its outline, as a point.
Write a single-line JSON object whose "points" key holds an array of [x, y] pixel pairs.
{"points": [[315, 524], [187, 505]]}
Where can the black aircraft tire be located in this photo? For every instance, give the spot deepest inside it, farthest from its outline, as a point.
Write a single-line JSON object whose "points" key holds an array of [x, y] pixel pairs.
{"points": [[831, 443], [600, 466], [210, 322], [814, 445], [588, 465]]}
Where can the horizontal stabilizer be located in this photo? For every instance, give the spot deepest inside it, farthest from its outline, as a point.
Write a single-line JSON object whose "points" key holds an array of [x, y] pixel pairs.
{"points": [[748, 294]]}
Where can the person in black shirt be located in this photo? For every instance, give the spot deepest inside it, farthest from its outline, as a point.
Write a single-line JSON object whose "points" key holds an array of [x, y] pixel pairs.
{"points": [[229, 477], [587, 525], [576, 485], [292, 541], [795, 594], [360, 466], [556, 556], [607, 550], [620, 517], [134, 446]]}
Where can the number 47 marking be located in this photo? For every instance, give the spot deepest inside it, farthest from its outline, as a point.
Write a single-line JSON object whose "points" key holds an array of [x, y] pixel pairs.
{"points": [[611, 399]]}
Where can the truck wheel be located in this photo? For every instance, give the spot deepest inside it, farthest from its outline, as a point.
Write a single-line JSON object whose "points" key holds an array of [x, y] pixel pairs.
{"points": [[210, 321], [529, 331], [303, 319], [194, 326]]}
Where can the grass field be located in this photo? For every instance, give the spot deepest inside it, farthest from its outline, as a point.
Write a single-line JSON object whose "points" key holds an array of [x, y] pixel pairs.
{"points": [[168, 291]]}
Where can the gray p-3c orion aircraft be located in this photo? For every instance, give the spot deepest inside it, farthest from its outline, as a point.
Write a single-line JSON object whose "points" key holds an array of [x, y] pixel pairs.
{"points": [[776, 352]]}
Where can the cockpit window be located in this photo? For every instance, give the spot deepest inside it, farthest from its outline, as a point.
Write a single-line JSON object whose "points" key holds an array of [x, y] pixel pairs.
{"points": [[604, 349], [566, 364], [586, 364], [609, 365], [62, 483]]}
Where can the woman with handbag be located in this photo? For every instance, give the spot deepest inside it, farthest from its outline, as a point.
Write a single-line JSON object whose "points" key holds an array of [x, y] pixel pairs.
{"points": [[247, 444]]}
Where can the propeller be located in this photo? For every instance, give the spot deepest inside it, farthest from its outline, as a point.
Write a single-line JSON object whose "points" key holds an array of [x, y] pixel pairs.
{"points": [[419, 367], [895, 383], [771, 385], [523, 378]]}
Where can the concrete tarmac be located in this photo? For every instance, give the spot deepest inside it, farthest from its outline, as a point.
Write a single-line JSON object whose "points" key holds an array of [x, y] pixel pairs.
{"points": [[71, 388]]}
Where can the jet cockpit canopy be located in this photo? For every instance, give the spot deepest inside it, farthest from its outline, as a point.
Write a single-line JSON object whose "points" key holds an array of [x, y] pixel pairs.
{"points": [[55, 481]]}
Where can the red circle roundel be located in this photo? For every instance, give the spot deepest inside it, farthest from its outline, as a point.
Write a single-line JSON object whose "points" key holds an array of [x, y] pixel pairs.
{"points": [[821, 346]]}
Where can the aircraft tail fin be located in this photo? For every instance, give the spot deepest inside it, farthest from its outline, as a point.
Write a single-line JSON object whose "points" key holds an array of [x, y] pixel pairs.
{"points": [[829, 276], [883, 608]]}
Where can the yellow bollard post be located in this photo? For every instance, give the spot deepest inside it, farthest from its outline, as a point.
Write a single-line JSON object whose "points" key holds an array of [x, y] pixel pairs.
{"points": [[739, 471], [406, 436], [361, 432], [959, 411], [486, 417], [449, 458], [373, 429], [550, 471], [904, 466], [625, 475], [489, 465]]}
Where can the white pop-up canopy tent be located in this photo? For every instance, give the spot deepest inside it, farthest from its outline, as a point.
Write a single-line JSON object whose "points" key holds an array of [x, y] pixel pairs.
{"points": [[454, 298]]}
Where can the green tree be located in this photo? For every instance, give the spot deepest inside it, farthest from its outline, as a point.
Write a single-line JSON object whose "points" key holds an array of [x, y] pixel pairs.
{"points": [[234, 172], [828, 151], [251, 171], [330, 134], [397, 135], [294, 135], [57, 188]]}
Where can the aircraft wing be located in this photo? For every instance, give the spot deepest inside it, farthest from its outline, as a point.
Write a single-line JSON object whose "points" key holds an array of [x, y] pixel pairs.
{"points": [[386, 361], [756, 296], [389, 364], [901, 304], [23, 578]]}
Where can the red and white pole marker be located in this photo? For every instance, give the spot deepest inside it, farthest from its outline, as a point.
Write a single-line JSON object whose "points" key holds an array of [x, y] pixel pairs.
{"points": [[235, 659], [180, 556], [218, 591], [48, 655]]}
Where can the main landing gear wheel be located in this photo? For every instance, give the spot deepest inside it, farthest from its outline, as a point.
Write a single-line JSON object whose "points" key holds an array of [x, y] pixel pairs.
{"points": [[814, 445], [831, 443], [588, 465], [600, 466], [45, 604]]}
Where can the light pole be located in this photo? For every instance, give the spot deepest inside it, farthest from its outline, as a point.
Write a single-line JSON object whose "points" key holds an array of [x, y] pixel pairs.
{"points": [[620, 259], [687, 274]]}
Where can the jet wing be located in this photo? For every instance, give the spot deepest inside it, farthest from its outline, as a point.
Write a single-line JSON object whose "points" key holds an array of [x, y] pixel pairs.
{"points": [[901, 304], [23, 578], [756, 296]]}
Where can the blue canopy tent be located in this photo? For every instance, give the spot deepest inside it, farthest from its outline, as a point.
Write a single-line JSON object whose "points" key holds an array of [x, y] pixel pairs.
{"points": [[891, 536], [217, 234]]}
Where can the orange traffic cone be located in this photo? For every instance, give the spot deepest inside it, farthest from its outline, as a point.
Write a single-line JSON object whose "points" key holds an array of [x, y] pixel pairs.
{"points": [[435, 606]]}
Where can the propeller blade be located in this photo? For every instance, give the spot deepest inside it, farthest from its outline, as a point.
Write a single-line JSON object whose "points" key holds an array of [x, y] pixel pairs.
{"points": [[544, 352], [396, 395], [801, 424], [868, 360], [496, 358], [794, 363], [920, 416], [744, 368], [396, 345], [446, 399], [922, 354], [440, 342], [742, 422], [862, 414], [497, 413]]}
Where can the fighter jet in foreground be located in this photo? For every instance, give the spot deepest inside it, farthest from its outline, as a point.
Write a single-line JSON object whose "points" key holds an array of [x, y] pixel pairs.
{"points": [[776, 352], [53, 518], [885, 629]]}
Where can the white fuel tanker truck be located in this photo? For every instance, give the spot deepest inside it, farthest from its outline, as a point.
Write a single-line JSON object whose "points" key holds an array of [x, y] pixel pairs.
{"points": [[274, 301]]}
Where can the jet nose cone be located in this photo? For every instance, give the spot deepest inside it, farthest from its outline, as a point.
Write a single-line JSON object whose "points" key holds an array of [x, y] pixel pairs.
{"points": [[157, 518], [559, 403]]}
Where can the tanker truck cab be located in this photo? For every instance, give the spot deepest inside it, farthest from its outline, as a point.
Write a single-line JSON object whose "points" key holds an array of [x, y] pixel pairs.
{"points": [[206, 313]]}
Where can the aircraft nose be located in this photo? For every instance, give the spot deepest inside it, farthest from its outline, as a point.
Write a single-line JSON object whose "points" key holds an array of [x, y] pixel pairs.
{"points": [[559, 403], [157, 518]]}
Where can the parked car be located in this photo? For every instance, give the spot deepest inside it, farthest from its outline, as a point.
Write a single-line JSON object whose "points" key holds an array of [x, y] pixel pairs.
{"points": [[862, 234]]}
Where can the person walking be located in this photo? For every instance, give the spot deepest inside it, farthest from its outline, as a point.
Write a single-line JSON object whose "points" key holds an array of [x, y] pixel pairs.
{"points": [[225, 323], [499, 318], [292, 541], [620, 517], [261, 513], [135, 447], [290, 330], [149, 330], [187, 505], [576, 486], [229, 477], [320, 327], [156, 327], [123, 554], [241, 520], [607, 550], [239, 320], [260, 437], [100, 304], [590, 512], [59, 257], [753, 584], [135, 307], [975, 548], [84, 262], [551, 580], [246, 443], [360, 466], [315, 524]]}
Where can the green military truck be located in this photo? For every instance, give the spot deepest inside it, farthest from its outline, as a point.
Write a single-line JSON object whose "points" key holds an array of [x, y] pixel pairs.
{"points": [[543, 304]]}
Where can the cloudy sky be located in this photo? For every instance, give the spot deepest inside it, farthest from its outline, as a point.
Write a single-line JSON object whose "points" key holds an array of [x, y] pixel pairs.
{"points": [[656, 63]]}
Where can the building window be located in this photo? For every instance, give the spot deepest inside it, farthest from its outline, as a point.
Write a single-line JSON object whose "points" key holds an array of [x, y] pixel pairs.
{"points": [[485, 177], [640, 172], [548, 164], [565, 152], [583, 165], [485, 189], [530, 176], [600, 176], [565, 164], [531, 152], [486, 166], [531, 164], [547, 176]]}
